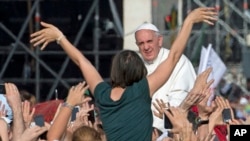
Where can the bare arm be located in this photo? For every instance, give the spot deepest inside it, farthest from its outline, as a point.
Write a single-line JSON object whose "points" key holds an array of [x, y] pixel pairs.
{"points": [[88, 70], [3, 130], [51, 33], [14, 100], [158, 78], [59, 125]]}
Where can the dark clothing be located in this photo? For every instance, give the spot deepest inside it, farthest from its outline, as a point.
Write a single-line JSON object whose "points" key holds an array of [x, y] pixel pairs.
{"points": [[130, 117]]}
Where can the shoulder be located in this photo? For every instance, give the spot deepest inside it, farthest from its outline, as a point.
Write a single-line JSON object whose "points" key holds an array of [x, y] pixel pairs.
{"points": [[140, 89], [100, 88], [141, 85]]}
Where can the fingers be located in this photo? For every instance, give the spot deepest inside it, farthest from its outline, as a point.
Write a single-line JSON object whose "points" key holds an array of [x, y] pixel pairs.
{"points": [[39, 41], [35, 35], [209, 83], [203, 97], [156, 106], [227, 104], [33, 112], [80, 87], [3, 108], [207, 94], [76, 94], [38, 130], [37, 38], [43, 37], [26, 106], [204, 14], [194, 98], [220, 102], [207, 8], [12, 92], [208, 71], [160, 106], [208, 22], [44, 24], [169, 113], [209, 18], [157, 114], [3, 112], [44, 45], [211, 11]]}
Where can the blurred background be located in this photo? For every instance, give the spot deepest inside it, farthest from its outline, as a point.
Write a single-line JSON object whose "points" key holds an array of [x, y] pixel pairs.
{"points": [[101, 28]]}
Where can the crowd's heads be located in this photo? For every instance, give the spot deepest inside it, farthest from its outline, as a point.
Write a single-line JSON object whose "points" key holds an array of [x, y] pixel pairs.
{"points": [[25, 95], [127, 68], [232, 92], [86, 133]]}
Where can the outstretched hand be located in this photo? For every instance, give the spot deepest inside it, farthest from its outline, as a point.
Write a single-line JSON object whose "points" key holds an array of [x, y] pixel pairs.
{"points": [[46, 35], [76, 94], [160, 107], [199, 90], [203, 14], [178, 118], [202, 83]]}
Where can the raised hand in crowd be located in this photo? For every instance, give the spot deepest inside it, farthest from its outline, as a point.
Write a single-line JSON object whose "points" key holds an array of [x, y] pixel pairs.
{"points": [[196, 95], [203, 108], [216, 117], [179, 120], [32, 133], [45, 36], [155, 134], [75, 97], [14, 100], [204, 111], [201, 14], [82, 116], [160, 106], [187, 133], [27, 113]]}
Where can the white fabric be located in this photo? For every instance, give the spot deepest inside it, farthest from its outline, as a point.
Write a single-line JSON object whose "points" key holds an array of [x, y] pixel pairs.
{"points": [[8, 121], [162, 136], [243, 101], [176, 88], [148, 26]]}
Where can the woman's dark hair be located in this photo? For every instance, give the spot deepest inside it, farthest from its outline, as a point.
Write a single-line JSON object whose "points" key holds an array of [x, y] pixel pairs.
{"points": [[127, 68]]}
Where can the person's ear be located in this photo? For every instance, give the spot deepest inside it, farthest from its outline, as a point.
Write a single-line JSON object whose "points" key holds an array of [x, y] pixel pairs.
{"points": [[160, 40]]}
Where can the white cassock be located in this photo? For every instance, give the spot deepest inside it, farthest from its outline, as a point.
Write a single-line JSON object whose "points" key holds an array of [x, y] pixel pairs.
{"points": [[176, 88]]}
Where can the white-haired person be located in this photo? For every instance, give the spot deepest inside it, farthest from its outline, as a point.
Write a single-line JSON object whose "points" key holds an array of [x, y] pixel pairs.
{"points": [[150, 43]]}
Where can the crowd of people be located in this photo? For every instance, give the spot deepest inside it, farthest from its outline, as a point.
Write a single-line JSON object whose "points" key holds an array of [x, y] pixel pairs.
{"points": [[145, 91]]}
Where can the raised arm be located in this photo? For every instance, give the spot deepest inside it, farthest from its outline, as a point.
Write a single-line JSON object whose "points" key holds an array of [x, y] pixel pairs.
{"points": [[14, 100], [51, 33], [60, 123], [164, 70]]}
